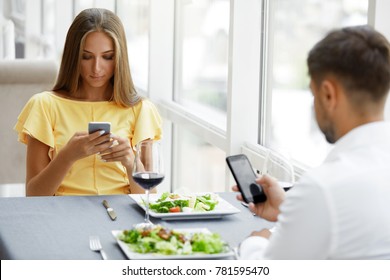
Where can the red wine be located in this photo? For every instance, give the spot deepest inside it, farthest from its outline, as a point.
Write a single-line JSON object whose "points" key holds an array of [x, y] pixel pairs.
{"points": [[148, 180]]}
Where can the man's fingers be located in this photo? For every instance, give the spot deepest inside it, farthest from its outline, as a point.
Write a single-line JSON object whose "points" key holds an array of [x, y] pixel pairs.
{"points": [[252, 207], [239, 197], [267, 181]]}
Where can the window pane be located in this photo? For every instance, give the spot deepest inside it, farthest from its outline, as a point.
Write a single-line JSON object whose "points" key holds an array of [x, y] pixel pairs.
{"points": [[13, 16], [135, 17], [80, 5], [202, 38], [49, 28], [198, 166], [297, 26]]}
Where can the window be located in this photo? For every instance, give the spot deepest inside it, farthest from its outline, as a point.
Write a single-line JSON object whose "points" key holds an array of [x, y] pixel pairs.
{"points": [[135, 18], [202, 37], [48, 29], [43, 34], [297, 25], [199, 166], [80, 5], [200, 89]]}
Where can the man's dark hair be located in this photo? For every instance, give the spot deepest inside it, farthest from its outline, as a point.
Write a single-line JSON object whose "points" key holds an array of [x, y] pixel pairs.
{"points": [[359, 57]]}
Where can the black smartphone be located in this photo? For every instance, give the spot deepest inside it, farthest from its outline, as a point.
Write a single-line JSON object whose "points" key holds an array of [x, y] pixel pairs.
{"points": [[245, 178], [96, 126]]}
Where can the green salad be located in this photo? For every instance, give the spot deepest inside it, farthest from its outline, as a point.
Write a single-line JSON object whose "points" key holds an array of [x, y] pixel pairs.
{"points": [[164, 241], [174, 203]]}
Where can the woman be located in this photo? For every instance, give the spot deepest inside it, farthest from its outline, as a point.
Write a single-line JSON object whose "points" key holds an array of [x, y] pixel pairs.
{"points": [[94, 84]]}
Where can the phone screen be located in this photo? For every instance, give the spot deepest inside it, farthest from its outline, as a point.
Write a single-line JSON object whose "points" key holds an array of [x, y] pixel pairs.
{"points": [[95, 126], [245, 178]]}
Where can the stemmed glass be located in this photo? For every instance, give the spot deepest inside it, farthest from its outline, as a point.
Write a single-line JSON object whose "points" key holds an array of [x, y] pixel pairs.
{"points": [[148, 170], [279, 166]]}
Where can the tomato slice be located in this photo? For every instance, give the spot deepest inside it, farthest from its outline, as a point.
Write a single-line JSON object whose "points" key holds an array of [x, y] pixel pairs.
{"points": [[175, 209]]}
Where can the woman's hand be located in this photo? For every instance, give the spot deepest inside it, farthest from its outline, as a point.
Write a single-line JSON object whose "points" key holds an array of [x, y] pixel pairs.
{"points": [[83, 144], [119, 150], [44, 174]]}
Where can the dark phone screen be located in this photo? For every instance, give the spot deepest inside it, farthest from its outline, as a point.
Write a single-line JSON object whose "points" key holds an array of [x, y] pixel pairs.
{"points": [[245, 178], [95, 126]]}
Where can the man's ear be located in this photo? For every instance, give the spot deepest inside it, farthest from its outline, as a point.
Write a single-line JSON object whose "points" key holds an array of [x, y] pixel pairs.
{"points": [[328, 94]]}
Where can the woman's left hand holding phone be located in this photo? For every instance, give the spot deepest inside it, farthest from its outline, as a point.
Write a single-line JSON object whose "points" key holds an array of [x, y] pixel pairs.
{"points": [[119, 150], [122, 151]]}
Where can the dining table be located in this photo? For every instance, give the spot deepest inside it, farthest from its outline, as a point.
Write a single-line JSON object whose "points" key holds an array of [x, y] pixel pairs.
{"points": [[59, 227]]}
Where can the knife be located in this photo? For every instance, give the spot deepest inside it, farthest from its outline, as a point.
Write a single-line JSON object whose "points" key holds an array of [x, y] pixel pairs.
{"points": [[110, 211]]}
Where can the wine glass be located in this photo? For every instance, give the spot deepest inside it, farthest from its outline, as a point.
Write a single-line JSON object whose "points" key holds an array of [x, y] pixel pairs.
{"points": [[148, 170], [279, 166]]}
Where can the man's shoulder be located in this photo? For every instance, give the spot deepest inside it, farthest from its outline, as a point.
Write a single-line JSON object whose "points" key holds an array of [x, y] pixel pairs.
{"points": [[352, 166]]}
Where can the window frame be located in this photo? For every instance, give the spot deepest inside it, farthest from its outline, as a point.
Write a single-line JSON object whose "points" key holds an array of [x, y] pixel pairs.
{"points": [[248, 45]]}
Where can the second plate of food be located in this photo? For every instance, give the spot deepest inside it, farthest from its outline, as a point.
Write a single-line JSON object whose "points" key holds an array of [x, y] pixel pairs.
{"points": [[171, 206]]}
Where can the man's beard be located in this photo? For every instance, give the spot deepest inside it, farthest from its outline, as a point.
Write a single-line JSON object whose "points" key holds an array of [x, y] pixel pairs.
{"points": [[329, 134]]}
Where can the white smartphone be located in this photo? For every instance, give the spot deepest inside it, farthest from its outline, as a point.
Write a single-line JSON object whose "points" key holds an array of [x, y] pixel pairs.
{"points": [[96, 126]]}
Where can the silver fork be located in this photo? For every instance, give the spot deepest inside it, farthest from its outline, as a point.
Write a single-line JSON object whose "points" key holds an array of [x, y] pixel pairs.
{"points": [[95, 245]]}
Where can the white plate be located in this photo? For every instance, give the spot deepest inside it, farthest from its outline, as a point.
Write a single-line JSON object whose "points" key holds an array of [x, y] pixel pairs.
{"points": [[137, 256], [223, 208]]}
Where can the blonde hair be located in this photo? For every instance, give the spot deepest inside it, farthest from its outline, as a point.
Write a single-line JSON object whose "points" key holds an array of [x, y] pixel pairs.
{"points": [[97, 20]]}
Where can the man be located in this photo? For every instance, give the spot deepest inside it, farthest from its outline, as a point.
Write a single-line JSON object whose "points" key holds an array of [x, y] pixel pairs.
{"points": [[340, 210]]}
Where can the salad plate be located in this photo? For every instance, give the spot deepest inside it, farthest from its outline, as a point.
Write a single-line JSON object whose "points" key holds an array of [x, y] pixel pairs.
{"points": [[132, 255], [222, 208]]}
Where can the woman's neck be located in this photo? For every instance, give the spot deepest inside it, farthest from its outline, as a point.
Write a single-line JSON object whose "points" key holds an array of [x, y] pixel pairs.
{"points": [[88, 93]]}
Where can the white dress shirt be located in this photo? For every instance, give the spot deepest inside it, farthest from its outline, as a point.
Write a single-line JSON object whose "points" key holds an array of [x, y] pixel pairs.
{"points": [[340, 210]]}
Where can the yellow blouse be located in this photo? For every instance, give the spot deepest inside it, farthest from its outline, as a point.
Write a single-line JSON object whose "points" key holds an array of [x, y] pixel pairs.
{"points": [[53, 120]]}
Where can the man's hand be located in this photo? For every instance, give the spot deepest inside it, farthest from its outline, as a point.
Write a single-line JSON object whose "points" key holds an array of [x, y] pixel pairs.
{"points": [[269, 209], [262, 233]]}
